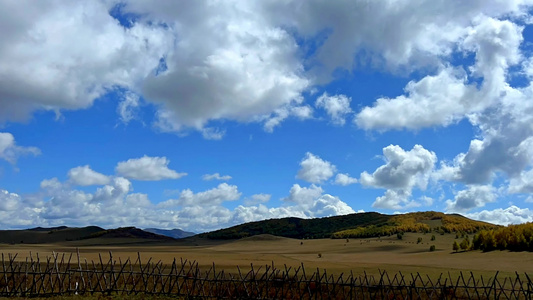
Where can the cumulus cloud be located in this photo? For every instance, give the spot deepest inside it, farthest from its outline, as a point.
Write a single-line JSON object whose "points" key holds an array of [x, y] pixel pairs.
{"points": [[216, 176], [475, 196], [336, 106], [40, 71], [314, 169], [504, 216], [403, 170], [302, 202], [113, 205], [8, 201], [434, 100], [257, 199], [522, 183], [396, 199], [215, 196], [9, 150], [344, 179], [243, 67], [248, 66], [85, 176], [147, 168], [446, 97]]}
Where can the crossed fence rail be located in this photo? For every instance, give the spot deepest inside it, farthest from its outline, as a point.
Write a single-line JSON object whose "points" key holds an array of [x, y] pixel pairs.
{"points": [[63, 275]]}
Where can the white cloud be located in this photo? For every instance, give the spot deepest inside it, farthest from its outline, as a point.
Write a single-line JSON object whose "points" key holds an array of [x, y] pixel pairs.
{"points": [[243, 66], [475, 196], [114, 205], [388, 34], [128, 107], [396, 199], [9, 149], [147, 168], [211, 133], [215, 196], [281, 114], [40, 71], [446, 97], [8, 201], [434, 100], [336, 106], [302, 202], [216, 176], [257, 199], [522, 183], [314, 169], [85, 176], [344, 179], [504, 216], [402, 169]]}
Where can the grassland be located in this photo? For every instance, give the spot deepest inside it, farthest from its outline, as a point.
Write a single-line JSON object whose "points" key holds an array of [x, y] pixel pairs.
{"points": [[337, 255]]}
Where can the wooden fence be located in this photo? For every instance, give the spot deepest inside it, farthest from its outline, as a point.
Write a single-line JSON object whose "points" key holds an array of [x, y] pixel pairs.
{"points": [[65, 275]]}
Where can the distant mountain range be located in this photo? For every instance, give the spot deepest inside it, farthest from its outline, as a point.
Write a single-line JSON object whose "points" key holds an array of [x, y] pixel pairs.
{"points": [[173, 233]]}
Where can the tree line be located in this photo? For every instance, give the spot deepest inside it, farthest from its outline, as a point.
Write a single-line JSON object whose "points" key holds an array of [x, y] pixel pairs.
{"points": [[513, 237]]}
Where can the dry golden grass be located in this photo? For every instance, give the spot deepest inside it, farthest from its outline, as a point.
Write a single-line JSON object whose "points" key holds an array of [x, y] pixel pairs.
{"points": [[337, 255]]}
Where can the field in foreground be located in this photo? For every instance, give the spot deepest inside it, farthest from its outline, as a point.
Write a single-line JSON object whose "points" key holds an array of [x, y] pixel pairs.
{"points": [[335, 255]]}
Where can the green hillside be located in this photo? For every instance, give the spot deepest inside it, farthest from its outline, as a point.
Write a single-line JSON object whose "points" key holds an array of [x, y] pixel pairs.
{"points": [[369, 224]]}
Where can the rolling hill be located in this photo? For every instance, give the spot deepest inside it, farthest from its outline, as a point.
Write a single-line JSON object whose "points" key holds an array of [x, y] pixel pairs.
{"points": [[40, 235], [369, 224]]}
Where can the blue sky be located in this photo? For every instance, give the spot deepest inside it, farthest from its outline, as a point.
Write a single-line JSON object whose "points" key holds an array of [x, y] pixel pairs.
{"points": [[206, 114]]}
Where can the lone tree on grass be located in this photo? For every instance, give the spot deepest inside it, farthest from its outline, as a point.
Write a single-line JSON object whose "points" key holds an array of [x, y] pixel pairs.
{"points": [[455, 246], [465, 244]]}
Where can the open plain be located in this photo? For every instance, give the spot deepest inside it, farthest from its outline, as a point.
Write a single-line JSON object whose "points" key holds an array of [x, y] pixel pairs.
{"points": [[334, 255]]}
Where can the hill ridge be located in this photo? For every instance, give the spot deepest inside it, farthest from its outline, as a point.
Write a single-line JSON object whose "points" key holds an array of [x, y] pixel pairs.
{"points": [[366, 224]]}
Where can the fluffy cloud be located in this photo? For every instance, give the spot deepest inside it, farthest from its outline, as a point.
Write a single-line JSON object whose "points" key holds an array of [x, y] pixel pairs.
{"points": [[474, 196], [302, 202], [147, 168], [40, 71], [344, 179], [223, 192], [8, 201], [395, 199], [522, 183], [504, 216], [434, 100], [244, 66], [9, 149], [314, 169], [216, 176], [114, 204], [257, 199], [402, 171], [336, 106], [247, 65], [85, 176], [446, 97]]}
